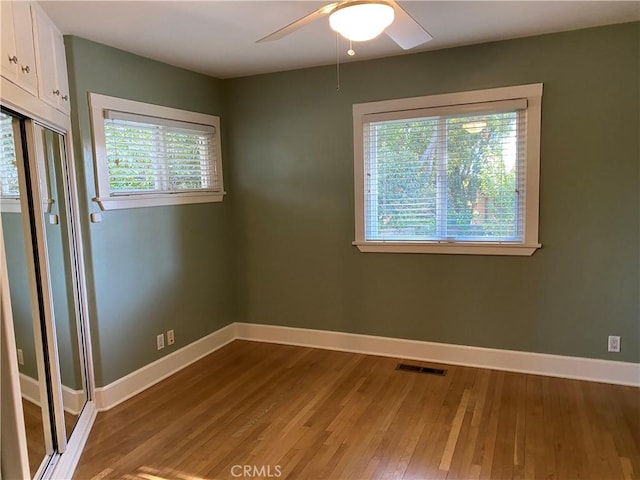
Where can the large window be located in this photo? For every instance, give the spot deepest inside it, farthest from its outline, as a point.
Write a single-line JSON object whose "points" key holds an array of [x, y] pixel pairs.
{"points": [[148, 155], [454, 173]]}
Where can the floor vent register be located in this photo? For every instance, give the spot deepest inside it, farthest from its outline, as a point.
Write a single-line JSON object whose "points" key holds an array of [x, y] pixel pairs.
{"points": [[419, 369]]}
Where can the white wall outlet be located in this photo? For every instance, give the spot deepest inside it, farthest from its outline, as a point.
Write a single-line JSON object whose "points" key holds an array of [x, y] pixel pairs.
{"points": [[614, 343], [20, 357], [160, 341], [171, 339]]}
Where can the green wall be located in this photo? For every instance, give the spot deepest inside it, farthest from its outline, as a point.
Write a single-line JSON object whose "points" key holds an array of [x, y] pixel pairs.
{"points": [[290, 150], [14, 245], [149, 269], [278, 249]]}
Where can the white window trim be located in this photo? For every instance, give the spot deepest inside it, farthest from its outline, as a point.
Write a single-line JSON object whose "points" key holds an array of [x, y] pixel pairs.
{"points": [[13, 203], [533, 94], [10, 205], [107, 201]]}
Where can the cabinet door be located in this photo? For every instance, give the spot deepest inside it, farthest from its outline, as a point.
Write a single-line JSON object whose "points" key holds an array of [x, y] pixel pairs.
{"points": [[53, 85], [25, 48], [8, 46], [61, 72], [45, 35], [18, 56]]}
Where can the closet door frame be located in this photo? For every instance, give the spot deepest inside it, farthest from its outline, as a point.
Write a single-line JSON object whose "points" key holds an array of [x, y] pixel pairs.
{"points": [[65, 460], [13, 434]]}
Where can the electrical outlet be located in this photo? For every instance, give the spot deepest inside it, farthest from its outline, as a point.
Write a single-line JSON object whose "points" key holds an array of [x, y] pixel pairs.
{"points": [[160, 341], [614, 343], [20, 357], [171, 339]]}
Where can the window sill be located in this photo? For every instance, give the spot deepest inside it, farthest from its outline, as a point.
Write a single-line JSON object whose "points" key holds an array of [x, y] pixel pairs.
{"points": [[10, 205], [156, 200], [449, 248]]}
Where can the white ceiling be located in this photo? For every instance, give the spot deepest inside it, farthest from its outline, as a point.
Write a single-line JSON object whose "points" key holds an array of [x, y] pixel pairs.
{"points": [[218, 37]]}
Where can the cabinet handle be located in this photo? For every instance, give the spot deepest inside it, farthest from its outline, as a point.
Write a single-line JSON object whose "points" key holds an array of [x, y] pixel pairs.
{"points": [[56, 93], [65, 97], [26, 69], [13, 59]]}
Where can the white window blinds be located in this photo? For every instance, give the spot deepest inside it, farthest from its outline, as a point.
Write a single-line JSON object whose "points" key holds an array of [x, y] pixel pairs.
{"points": [[154, 155], [446, 174], [8, 167]]}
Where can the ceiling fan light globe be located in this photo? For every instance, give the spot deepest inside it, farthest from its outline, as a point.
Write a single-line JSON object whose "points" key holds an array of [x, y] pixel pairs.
{"points": [[361, 21]]}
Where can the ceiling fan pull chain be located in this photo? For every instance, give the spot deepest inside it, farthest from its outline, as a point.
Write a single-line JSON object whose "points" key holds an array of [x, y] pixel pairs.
{"points": [[351, 52], [337, 62]]}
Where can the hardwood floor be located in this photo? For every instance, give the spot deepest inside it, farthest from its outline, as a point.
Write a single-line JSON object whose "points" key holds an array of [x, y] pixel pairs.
{"points": [[35, 434], [299, 413], [36, 449]]}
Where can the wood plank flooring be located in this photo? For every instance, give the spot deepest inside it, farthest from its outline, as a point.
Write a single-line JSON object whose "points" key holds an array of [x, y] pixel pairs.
{"points": [[36, 449], [254, 410], [35, 434]]}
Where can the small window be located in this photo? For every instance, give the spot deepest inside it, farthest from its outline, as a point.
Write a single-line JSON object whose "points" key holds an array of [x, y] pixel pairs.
{"points": [[148, 155], [454, 173], [9, 188]]}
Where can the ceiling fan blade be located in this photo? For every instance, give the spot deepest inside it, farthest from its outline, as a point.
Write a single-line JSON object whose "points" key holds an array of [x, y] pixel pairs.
{"points": [[301, 22], [405, 31]]}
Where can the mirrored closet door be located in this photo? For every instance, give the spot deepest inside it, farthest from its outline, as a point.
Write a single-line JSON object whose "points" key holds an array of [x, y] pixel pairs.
{"points": [[42, 264]]}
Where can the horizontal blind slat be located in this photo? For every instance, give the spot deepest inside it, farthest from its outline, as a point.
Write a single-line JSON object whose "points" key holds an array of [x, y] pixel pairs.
{"points": [[125, 118], [9, 187], [167, 156], [454, 110], [448, 176]]}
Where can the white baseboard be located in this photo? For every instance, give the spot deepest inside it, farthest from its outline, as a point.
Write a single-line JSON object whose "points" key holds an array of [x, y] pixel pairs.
{"points": [[30, 389], [126, 387], [604, 371], [72, 400], [67, 462]]}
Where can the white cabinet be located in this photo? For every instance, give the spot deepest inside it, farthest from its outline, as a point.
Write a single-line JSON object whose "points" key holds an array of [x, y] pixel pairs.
{"points": [[53, 85], [17, 45], [33, 56]]}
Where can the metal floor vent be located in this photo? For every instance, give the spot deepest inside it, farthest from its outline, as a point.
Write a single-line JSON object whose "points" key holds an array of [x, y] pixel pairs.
{"points": [[419, 369]]}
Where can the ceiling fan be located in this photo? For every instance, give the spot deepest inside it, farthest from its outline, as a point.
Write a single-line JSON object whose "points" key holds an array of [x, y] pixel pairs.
{"points": [[361, 20]]}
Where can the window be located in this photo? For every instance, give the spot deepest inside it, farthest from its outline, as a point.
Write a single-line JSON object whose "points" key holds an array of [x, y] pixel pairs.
{"points": [[148, 155], [9, 189], [454, 173]]}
